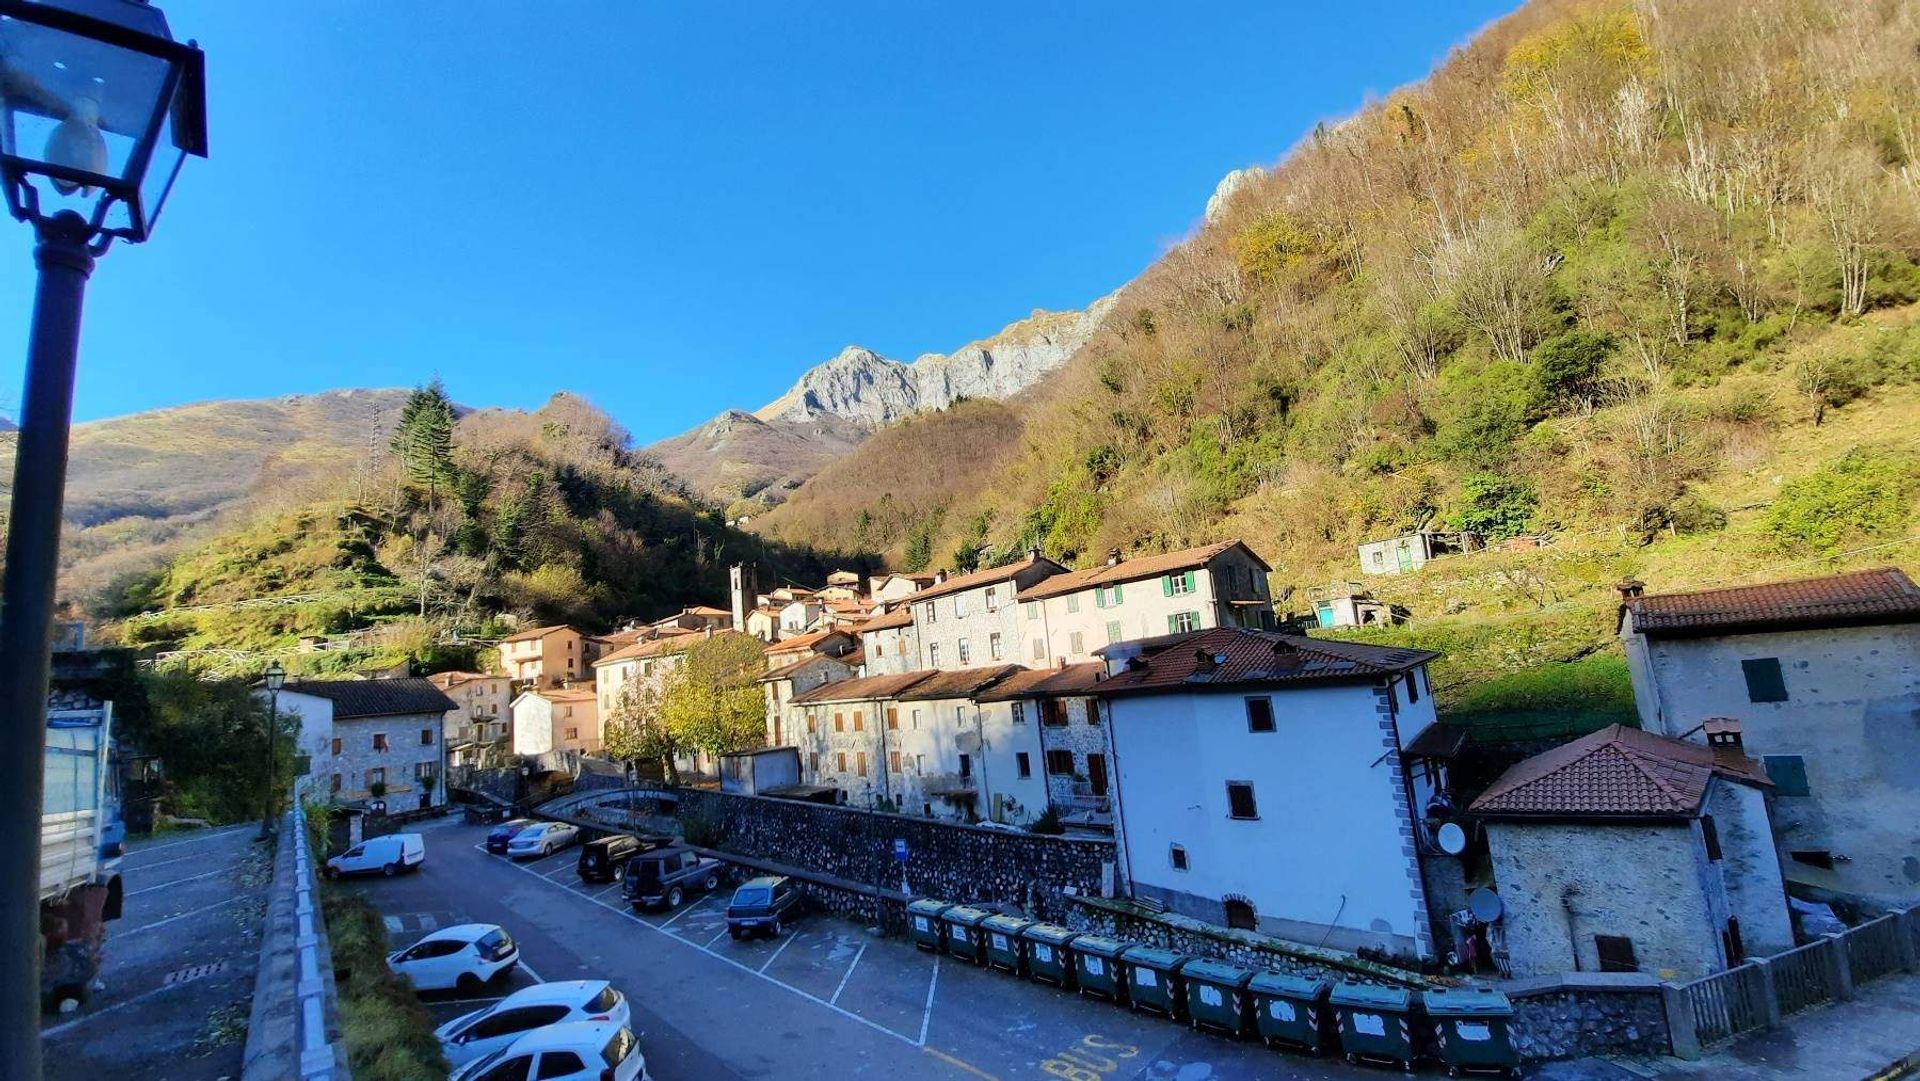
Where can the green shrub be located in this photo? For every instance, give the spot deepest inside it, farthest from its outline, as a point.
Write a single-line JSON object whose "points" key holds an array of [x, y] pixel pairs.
{"points": [[1047, 823], [1861, 495], [388, 1033], [1567, 367], [1486, 409], [1495, 507]]}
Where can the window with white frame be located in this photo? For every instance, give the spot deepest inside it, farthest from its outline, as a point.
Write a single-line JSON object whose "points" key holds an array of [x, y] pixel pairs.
{"points": [[965, 653], [1182, 622], [993, 646]]}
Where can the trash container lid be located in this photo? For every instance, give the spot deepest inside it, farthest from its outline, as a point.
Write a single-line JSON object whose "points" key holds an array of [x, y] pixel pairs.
{"points": [[1010, 925], [1051, 933], [929, 907], [965, 915], [1154, 958], [1467, 1002], [1372, 996], [1099, 945], [1306, 988], [1217, 972]]}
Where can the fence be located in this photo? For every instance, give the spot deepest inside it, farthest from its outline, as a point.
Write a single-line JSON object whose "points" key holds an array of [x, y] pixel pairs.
{"points": [[1759, 993]]}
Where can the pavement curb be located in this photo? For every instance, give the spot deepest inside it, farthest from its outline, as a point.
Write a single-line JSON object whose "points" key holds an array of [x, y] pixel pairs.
{"points": [[1906, 1066]]}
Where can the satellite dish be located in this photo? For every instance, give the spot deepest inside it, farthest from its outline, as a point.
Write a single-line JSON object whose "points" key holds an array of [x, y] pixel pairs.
{"points": [[1451, 838], [1485, 905]]}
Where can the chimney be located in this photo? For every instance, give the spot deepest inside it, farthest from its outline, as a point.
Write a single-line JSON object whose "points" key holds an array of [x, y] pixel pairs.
{"points": [[939, 577], [1113, 557], [1723, 733], [1033, 554], [1204, 661], [1630, 588]]}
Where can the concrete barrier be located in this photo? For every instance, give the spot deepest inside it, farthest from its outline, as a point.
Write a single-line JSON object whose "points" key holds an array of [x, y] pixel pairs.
{"points": [[293, 1030]]}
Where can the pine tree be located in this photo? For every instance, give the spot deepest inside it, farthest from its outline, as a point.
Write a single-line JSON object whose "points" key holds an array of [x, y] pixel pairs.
{"points": [[424, 442]]}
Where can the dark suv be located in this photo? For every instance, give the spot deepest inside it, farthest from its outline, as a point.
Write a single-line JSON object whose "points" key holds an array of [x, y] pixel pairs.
{"points": [[762, 904], [601, 859], [665, 875]]}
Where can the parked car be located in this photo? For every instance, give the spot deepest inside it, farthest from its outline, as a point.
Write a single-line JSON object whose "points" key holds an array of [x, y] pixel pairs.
{"points": [[664, 876], [542, 838], [499, 836], [496, 1027], [602, 859], [576, 1051], [761, 904], [388, 855], [463, 957]]}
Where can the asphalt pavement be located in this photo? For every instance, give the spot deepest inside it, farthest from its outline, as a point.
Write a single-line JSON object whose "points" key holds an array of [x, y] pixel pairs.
{"points": [[179, 965], [829, 999]]}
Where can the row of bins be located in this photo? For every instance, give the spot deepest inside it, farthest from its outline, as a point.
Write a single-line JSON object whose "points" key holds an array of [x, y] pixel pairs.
{"points": [[1315, 1015]]}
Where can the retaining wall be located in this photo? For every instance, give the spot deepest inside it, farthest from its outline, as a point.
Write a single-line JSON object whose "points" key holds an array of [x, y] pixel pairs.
{"points": [[293, 1029], [1589, 1013]]}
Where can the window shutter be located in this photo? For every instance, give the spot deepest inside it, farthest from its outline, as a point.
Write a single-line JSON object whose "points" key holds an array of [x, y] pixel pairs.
{"points": [[1116, 593], [1172, 627], [1099, 596], [1166, 585], [1788, 772], [1765, 683], [1189, 577]]}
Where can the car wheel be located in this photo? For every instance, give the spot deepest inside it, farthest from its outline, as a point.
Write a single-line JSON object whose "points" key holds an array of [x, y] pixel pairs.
{"points": [[735, 932], [390, 870], [674, 897], [468, 984], [775, 929], [712, 883]]}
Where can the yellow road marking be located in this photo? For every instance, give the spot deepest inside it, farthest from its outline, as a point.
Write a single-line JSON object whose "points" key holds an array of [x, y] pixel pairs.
{"points": [[967, 1066]]}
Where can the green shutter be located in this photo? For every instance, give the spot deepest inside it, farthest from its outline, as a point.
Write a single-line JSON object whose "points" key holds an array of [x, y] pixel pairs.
{"points": [[1171, 628], [1189, 577], [1166, 585], [1116, 593], [1788, 772], [1113, 632], [1099, 596], [1765, 683]]}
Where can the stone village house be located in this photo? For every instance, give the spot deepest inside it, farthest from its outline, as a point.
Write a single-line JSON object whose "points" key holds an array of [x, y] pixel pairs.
{"points": [[1823, 676], [1625, 851], [479, 724], [552, 719], [368, 736], [548, 656]]}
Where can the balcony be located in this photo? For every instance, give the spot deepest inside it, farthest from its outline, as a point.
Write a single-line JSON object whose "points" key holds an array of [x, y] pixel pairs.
{"points": [[948, 786]]}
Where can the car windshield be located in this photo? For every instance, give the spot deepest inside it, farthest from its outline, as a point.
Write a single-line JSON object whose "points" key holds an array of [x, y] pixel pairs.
{"points": [[618, 1048], [494, 942], [752, 895], [485, 1064], [604, 1001]]}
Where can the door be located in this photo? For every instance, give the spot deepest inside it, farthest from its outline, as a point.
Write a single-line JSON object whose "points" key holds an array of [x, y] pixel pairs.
{"points": [[1404, 555], [1097, 773]]}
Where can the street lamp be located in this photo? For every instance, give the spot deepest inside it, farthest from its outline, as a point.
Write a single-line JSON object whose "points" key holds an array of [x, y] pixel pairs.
{"points": [[276, 678], [99, 106]]}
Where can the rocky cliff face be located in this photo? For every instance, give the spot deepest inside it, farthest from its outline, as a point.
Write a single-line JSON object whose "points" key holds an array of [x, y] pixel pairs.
{"points": [[836, 405]]}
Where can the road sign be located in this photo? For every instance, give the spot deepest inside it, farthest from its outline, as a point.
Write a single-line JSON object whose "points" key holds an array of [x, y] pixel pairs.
{"points": [[900, 849]]}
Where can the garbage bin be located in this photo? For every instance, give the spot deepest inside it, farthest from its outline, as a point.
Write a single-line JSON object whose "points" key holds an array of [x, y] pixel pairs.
{"points": [[1003, 942], [964, 937], [923, 923], [1049, 950], [1154, 981], [1097, 967], [1292, 1011], [1376, 1023], [1217, 996], [1470, 1029]]}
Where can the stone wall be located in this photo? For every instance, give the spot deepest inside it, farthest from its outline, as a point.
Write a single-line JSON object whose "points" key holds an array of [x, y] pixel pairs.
{"points": [[948, 861], [1249, 949], [1578, 1014]]}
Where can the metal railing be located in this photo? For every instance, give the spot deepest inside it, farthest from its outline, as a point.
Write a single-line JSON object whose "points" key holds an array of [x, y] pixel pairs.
{"points": [[1759, 993]]}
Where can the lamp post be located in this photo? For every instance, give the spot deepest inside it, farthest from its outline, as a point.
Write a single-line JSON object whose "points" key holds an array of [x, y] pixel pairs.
{"points": [[276, 678], [99, 107]]}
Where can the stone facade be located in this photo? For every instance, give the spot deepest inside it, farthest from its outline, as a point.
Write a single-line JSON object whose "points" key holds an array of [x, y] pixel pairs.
{"points": [[977, 626], [952, 862], [1067, 628], [815, 673], [398, 751], [1577, 1015], [1082, 741], [485, 712]]}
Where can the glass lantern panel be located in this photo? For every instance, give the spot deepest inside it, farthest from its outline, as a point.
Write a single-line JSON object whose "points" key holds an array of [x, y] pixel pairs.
{"points": [[161, 170], [72, 101]]}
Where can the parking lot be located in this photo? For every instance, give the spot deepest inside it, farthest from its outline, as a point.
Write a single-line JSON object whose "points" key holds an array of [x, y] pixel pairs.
{"points": [[828, 999], [179, 966]]}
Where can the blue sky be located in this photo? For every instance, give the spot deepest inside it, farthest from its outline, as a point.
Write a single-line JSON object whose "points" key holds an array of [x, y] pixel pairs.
{"points": [[677, 208]]}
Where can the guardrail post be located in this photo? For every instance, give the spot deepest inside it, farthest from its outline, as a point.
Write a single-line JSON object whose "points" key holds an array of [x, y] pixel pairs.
{"points": [[1842, 967], [1683, 1029], [1907, 938], [1769, 991]]}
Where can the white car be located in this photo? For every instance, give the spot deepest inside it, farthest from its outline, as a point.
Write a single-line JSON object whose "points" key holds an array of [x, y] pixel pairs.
{"points": [[493, 1028], [579, 1051], [464, 957], [542, 838], [388, 855]]}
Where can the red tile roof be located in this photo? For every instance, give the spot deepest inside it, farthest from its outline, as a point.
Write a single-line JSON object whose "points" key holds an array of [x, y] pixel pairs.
{"points": [[537, 632], [787, 671], [1615, 772], [1233, 656], [957, 583], [959, 683], [899, 617], [1884, 595], [1073, 681], [1133, 569], [866, 687], [801, 642]]}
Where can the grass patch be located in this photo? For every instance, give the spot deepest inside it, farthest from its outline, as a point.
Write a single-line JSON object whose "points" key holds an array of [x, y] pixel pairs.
{"points": [[389, 1035], [1550, 701]]}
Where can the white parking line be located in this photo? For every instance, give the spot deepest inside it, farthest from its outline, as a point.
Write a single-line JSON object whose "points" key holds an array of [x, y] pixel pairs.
{"points": [[208, 836], [47, 1033], [668, 922], [724, 959], [926, 1016], [125, 870], [776, 953], [189, 912], [716, 938], [849, 973], [177, 881]]}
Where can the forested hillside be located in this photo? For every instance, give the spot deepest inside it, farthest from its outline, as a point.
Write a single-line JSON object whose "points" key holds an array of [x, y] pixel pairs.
{"points": [[1637, 278], [548, 515]]}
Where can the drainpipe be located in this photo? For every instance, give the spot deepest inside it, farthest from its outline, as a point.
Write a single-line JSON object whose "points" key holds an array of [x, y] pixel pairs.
{"points": [[886, 782], [980, 732], [1122, 869], [1414, 814], [1573, 937]]}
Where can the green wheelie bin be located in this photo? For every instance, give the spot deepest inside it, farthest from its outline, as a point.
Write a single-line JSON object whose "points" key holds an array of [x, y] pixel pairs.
{"points": [[923, 923], [964, 937], [1376, 1023], [1291, 1011], [1154, 981], [1003, 942], [1049, 950], [1217, 996], [1098, 969], [1470, 1030]]}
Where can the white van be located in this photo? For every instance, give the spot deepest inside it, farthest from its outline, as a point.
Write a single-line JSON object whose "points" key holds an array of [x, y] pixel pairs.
{"points": [[387, 855]]}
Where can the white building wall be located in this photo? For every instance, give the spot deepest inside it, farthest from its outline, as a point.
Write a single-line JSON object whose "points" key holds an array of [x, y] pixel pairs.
{"points": [[1007, 796], [1749, 878], [970, 616], [1075, 624], [1852, 698], [532, 725], [1329, 856], [403, 759], [892, 651]]}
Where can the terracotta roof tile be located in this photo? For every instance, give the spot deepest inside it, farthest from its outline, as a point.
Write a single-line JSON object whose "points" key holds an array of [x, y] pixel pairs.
{"points": [[803, 641], [1884, 595], [1617, 771], [1132, 570], [1075, 680], [1233, 656], [959, 683], [899, 617], [866, 687], [564, 694], [787, 671], [975, 579], [537, 632]]}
